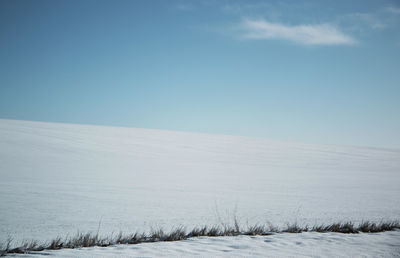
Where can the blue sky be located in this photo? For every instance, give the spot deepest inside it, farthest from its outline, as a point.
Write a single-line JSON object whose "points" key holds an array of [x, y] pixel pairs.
{"points": [[312, 71]]}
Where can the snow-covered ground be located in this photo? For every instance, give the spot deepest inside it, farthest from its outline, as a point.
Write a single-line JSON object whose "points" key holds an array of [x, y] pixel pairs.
{"points": [[57, 179]]}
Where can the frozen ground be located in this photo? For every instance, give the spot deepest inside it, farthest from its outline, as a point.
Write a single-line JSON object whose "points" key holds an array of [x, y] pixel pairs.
{"points": [[281, 245], [57, 179]]}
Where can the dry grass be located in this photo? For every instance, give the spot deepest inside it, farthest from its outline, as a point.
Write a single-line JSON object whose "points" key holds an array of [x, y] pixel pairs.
{"points": [[180, 233]]}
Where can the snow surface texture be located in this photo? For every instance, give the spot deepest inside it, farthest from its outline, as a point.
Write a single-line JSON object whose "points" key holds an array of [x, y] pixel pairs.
{"points": [[57, 179], [309, 244]]}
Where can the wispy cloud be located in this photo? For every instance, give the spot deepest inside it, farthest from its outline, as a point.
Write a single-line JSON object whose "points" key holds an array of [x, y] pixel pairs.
{"points": [[185, 7], [363, 21], [392, 9], [320, 34]]}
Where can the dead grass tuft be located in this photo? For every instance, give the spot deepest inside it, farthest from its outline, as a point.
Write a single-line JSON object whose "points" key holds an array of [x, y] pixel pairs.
{"points": [[89, 240]]}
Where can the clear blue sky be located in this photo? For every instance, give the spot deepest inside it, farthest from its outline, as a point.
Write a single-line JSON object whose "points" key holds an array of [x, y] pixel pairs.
{"points": [[313, 71]]}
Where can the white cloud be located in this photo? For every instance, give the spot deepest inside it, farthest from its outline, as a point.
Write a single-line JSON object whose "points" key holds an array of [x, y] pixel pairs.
{"points": [[394, 10], [321, 34], [185, 7], [364, 20]]}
